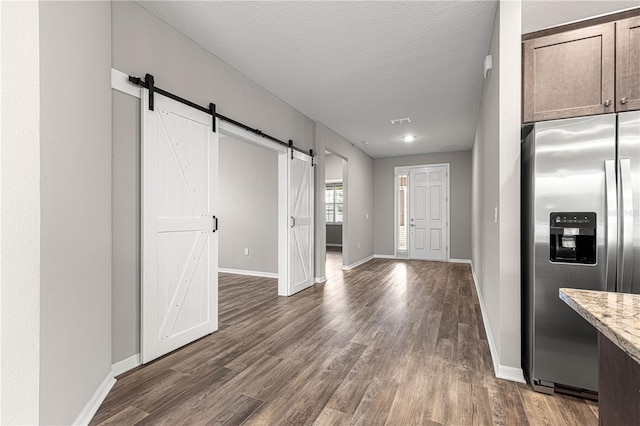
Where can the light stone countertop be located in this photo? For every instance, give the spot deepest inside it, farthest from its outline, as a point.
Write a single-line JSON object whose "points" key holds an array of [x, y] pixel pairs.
{"points": [[616, 315]]}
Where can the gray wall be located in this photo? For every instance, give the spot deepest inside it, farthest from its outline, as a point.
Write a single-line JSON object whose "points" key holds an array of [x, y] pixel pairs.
{"points": [[486, 186], [144, 44], [125, 193], [358, 193], [332, 167], [75, 274], [460, 192], [334, 234], [360, 207], [496, 183], [248, 206]]}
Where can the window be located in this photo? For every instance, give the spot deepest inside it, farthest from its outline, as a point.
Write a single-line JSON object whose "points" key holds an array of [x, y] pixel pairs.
{"points": [[333, 201], [401, 213]]}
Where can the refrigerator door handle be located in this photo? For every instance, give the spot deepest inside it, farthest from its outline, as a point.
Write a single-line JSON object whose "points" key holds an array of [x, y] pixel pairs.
{"points": [[611, 229], [626, 210]]}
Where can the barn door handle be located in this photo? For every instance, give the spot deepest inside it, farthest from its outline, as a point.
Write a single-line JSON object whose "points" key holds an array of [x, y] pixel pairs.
{"points": [[215, 224], [293, 221]]}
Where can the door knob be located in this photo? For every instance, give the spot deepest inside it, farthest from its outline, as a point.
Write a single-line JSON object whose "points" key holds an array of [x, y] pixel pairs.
{"points": [[624, 101], [413, 224], [607, 102]]}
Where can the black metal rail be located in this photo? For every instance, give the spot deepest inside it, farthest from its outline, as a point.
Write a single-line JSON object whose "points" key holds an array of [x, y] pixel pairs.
{"points": [[149, 84]]}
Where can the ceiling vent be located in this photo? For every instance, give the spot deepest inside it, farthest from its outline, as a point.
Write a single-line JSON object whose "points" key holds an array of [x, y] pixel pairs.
{"points": [[401, 120]]}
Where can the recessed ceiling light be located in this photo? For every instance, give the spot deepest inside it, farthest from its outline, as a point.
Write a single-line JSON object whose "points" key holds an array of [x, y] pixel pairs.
{"points": [[408, 138], [365, 143], [401, 120]]}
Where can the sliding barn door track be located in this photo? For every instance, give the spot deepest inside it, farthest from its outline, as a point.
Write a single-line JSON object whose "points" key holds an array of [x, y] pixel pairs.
{"points": [[149, 84]]}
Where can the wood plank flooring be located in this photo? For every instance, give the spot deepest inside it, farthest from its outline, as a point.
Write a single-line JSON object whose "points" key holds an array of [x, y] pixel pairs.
{"points": [[390, 342]]}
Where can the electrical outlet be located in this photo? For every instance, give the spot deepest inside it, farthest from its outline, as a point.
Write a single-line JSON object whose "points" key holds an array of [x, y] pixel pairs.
{"points": [[366, 216], [358, 245], [246, 252]]}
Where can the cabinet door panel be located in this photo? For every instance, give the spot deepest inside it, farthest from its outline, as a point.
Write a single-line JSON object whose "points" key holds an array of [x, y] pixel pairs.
{"points": [[628, 64], [569, 74]]}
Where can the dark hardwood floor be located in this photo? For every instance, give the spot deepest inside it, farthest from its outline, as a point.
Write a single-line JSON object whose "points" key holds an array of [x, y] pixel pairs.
{"points": [[389, 342]]}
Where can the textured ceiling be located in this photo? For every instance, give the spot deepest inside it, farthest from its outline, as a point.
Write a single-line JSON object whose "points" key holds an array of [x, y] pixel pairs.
{"points": [[356, 65]]}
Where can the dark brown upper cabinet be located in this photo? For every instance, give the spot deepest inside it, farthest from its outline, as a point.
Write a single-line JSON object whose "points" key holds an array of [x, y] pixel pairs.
{"points": [[628, 64], [572, 73]]}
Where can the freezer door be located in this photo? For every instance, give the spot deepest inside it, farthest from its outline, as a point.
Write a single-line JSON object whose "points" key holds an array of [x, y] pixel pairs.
{"points": [[574, 171], [629, 200]]}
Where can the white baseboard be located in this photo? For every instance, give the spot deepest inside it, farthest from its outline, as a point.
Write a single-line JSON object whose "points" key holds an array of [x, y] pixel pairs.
{"points": [[125, 365], [391, 256], [358, 263], [510, 373], [320, 279], [333, 245], [249, 273], [96, 400], [513, 374]]}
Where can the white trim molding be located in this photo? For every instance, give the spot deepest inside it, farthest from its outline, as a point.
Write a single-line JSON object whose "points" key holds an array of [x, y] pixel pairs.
{"points": [[96, 400], [333, 245], [126, 364], [513, 374], [249, 273], [120, 82], [384, 256], [467, 261], [319, 280], [358, 263]]}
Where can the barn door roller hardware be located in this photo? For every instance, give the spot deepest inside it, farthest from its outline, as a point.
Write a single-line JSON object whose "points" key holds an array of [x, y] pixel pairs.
{"points": [[149, 84]]}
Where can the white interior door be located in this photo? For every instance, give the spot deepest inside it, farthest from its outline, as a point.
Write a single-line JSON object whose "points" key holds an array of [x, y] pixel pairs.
{"points": [[428, 216], [179, 242], [301, 223]]}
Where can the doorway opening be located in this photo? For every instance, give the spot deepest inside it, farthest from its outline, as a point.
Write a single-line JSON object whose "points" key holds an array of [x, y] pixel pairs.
{"points": [[248, 212], [248, 234], [246, 193], [335, 197], [294, 225]]}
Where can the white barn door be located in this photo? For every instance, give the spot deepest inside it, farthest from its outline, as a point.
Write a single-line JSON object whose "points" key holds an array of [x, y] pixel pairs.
{"points": [[179, 243], [428, 213], [301, 242]]}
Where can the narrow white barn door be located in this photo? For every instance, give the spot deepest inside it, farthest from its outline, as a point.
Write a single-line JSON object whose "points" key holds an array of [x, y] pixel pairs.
{"points": [[301, 247], [428, 213], [179, 242]]}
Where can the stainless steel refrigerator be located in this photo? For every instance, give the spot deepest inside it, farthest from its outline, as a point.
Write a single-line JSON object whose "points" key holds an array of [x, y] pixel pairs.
{"points": [[580, 229]]}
